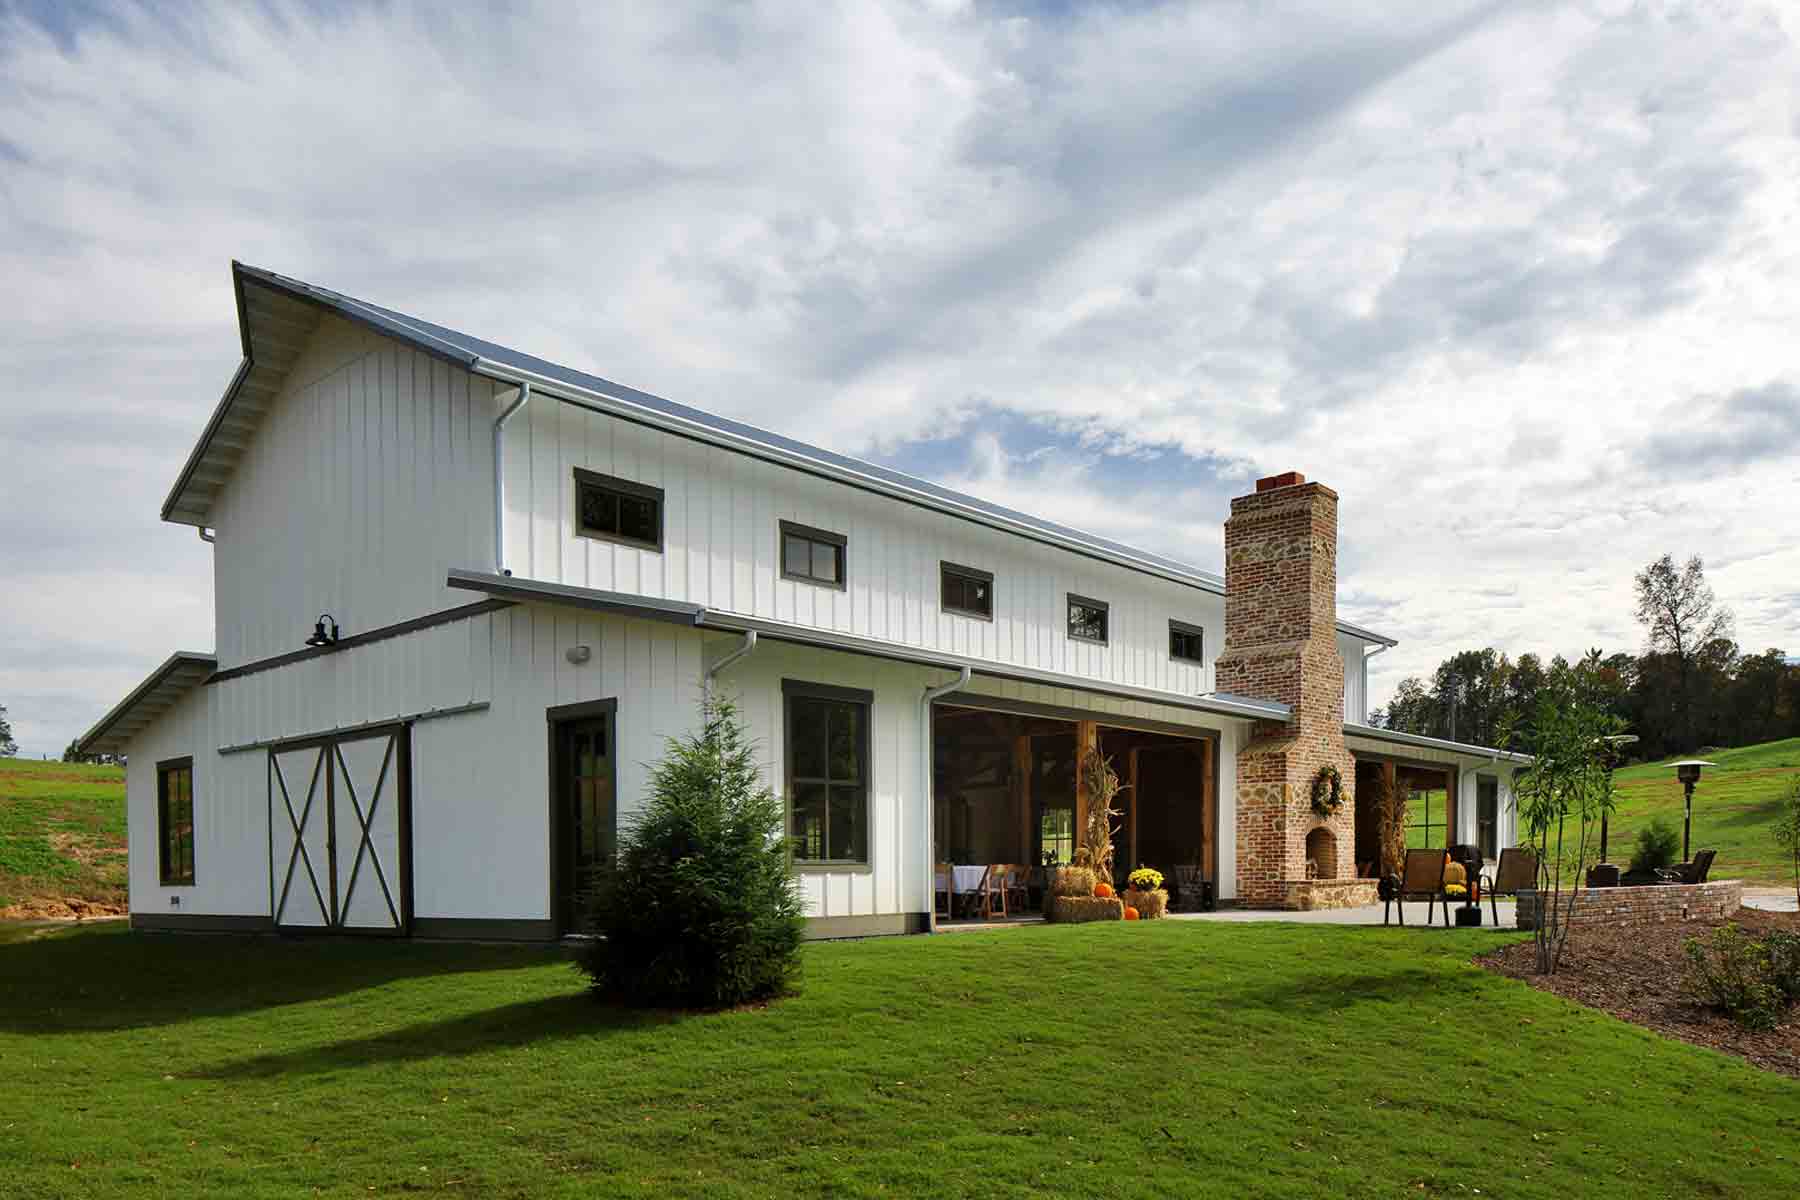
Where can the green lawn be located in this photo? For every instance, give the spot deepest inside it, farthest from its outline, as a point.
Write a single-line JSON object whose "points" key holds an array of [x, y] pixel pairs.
{"points": [[1166, 1059], [1734, 805], [62, 831]]}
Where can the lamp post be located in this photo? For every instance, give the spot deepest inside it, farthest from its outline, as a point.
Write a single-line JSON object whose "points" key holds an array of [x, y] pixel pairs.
{"points": [[1688, 771], [1609, 759]]}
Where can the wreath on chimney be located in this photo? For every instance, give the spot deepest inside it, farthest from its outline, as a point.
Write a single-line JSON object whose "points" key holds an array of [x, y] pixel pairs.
{"points": [[1327, 791]]}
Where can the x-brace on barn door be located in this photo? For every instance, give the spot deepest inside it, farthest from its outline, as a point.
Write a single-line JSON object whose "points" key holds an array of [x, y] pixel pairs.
{"points": [[339, 833]]}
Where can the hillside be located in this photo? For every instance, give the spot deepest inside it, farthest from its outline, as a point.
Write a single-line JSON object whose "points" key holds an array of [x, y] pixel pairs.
{"points": [[62, 839], [1734, 805]]}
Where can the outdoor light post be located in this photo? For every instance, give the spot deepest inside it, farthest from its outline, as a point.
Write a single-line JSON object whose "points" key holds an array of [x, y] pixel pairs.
{"points": [[1688, 771]]}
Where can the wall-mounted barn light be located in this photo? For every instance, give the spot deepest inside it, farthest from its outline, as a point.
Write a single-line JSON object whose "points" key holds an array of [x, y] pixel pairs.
{"points": [[325, 631]]}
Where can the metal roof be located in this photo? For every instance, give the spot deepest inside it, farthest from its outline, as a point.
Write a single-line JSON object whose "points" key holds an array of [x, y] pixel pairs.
{"points": [[654, 609], [276, 314], [181, 672], [1395, 737]]}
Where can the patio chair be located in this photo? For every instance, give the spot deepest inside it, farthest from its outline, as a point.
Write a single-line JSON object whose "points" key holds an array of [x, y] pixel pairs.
{"points": [[1689, 872], [1515, 872], [944, 884], [1421, 878], [1016, 882], [990, 893], [1189, 888]]}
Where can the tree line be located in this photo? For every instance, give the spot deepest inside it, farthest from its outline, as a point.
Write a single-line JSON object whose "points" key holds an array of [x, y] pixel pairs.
{"points": [[1691, 686]]}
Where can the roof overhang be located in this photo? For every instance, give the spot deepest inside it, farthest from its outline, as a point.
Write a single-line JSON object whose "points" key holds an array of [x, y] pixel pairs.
{"points": [[180, 673], [1418, 741], [651, 608]]}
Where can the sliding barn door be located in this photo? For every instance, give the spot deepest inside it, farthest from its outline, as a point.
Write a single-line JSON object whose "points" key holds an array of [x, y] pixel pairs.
{"points": [[339, 833]]}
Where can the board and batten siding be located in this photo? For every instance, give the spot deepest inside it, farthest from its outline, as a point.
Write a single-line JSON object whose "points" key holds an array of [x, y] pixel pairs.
{"points": [[370, 475], [722, 512]]}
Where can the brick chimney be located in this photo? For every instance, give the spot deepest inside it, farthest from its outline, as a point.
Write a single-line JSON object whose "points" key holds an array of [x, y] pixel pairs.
{"points": [[1281, 644]]}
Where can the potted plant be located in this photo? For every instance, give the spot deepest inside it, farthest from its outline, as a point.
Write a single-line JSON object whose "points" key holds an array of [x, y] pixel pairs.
{"points": [[1144, 892]]}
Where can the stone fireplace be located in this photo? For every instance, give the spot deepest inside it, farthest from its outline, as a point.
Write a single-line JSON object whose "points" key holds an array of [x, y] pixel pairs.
{"points": [[1281, 645]]}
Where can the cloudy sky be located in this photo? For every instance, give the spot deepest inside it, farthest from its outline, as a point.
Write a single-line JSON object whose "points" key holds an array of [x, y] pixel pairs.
{"points": [[1520, 280]]}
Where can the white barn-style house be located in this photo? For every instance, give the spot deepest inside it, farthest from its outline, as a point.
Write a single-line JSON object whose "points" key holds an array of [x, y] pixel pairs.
{"points": [[463, 595]]}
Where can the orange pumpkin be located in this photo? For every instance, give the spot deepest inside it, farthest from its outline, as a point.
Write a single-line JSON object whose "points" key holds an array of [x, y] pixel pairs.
{"points": [[1103, 890], [1131, 914]]}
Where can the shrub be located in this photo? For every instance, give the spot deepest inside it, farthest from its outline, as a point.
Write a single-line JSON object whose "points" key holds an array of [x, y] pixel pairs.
{"points": [[1657, 845], [1732, 974], [700, 910], [1783, 948]]}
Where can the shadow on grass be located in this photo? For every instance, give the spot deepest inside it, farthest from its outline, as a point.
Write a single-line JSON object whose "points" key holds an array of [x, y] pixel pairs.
{"points": [[109, 979], [529, 1022]]}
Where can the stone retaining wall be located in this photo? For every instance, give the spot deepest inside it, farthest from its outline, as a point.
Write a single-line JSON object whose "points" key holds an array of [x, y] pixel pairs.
{"points": [[1658, 904], [1312, 895]]}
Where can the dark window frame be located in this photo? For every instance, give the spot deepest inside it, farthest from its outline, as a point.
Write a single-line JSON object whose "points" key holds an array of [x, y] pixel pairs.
{"points": [[1184, 629], [799, 689], [1487, 824], [1101, 606], [167, 874], [824, 537], [585, 478], [946, 572]]}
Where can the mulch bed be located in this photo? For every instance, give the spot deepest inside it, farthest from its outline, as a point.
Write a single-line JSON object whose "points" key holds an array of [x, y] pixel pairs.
{"points": [[1634, 973]]}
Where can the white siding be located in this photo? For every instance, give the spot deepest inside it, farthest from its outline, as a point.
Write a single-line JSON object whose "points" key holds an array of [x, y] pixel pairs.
{"points": [[722, 513], [1356, 679], [369, 477]]}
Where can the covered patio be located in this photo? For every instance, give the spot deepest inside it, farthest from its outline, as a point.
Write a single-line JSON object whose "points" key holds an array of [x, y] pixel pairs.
{"points": [[1010, 803]]}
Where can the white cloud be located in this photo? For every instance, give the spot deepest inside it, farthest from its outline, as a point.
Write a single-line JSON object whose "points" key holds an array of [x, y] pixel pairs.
{"points": [[1480, 267]]}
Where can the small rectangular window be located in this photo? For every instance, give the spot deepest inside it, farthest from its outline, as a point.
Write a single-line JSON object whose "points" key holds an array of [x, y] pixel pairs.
{"points": [[1487, 816], [618, 510], [1187, 642], [812, 555], [175, 821], [966, 590], [1087, 619], [828, 773]]}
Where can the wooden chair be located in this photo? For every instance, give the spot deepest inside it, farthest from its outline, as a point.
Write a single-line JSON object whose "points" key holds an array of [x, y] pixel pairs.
{"points": [[944, 884], [1421, 878], [1189, 892], [1689, 872], [1516, 872], [1016, 881]]}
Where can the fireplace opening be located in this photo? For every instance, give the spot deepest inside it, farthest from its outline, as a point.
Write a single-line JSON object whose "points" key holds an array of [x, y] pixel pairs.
{"points": [[1321, 854]]}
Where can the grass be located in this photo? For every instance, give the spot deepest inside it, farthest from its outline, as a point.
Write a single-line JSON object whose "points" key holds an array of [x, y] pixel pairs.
{"points": [[1166, 1058], [62, 831], [1734, 806]]}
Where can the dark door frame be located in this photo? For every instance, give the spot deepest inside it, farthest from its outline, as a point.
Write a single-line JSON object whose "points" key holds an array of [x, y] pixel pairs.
{"points": [[554, 719]]}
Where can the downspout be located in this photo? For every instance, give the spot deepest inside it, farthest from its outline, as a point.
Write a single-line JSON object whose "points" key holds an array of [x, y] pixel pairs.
{"points": [[206, 537], [930, 695], [748, 644], [500, 477]]}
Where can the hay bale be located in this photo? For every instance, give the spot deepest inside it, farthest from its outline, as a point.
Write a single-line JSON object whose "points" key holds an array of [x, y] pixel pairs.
{"points": [[1078, 910], [1073, 881], [1150, 905]]}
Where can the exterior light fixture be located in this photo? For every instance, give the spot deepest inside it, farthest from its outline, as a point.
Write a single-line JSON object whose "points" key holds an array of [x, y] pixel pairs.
{"points": [[325, 631], [1688, 771]]}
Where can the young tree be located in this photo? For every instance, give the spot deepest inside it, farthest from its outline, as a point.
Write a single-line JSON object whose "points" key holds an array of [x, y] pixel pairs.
{"points": [[1561, 797], [8, 747], [701, 909], [1787, 830], [1682, 618]]}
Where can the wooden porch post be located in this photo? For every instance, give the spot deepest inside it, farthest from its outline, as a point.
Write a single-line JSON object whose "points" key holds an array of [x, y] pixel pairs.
{"points": [[1209, 810], [1021, 766], [1087, 740], [1452, 802], [1131, 779]]}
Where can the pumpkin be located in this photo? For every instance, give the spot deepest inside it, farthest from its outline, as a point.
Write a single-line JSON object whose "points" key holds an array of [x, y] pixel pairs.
{"points": [[1103, 889], [1454, 873], [1131, 914]]}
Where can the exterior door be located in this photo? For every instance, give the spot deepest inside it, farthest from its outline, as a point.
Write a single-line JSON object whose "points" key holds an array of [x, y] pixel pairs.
{"points": [[584, 814], [340, 833]]}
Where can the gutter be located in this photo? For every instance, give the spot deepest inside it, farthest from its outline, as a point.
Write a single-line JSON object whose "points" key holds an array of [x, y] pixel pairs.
{"points": [[927, 786], [743, 650], [500, 476]]}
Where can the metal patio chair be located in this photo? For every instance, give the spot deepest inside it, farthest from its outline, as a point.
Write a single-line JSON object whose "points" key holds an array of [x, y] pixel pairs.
{"points": [[1421, 878], [1515, 872]]}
